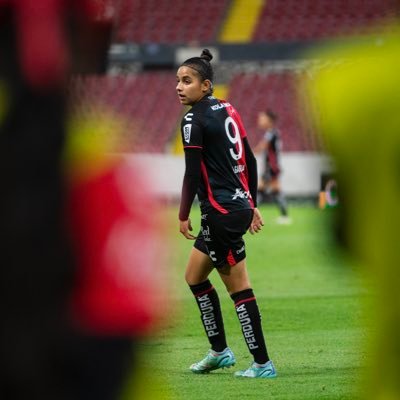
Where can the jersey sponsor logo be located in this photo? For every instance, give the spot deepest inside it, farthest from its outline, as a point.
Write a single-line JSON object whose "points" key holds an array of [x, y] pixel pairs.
{"points": [[219, 106], [187, 129], [237, 169], [241, 194], [204, 217], [206, 233], [247, 328], [188, 117], [207, 315]]}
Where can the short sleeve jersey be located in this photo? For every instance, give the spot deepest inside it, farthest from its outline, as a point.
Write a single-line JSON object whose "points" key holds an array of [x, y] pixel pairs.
{"points": [[216, 128]]}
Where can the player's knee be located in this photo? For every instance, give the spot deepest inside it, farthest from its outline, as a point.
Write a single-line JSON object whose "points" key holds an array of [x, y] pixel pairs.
{"points": [[191, 279], [188, 278]]}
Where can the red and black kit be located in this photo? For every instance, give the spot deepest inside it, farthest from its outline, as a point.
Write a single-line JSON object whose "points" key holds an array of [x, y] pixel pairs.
{"points": [[222, 170]]}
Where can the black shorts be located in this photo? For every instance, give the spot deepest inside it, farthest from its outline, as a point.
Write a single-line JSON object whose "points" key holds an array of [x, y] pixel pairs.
{"points": [[270, 174], [221, 236]]}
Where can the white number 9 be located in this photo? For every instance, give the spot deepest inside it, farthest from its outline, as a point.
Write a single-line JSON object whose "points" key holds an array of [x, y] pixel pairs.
{"points": [[234, 139]]}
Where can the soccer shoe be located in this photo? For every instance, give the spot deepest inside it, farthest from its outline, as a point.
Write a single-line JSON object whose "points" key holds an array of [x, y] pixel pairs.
{"points": [[284, 220], [213, 361], [258, 371]]}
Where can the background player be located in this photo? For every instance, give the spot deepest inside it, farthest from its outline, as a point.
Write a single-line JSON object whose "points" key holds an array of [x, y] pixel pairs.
{"points": [[271, 145], [222, 170]]}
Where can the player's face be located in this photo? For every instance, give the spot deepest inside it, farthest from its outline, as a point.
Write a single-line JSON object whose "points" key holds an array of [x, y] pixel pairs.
{"points": [[190, 87], [264, 122]]}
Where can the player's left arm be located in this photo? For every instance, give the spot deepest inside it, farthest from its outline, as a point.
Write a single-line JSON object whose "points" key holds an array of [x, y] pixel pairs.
{"points": [[251, 163]]}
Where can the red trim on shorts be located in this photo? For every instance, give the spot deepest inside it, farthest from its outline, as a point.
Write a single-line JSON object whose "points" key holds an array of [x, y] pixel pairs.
{"points": [[210, 194], [244, 301], [192, 147], [231, 259], [204, 292]]}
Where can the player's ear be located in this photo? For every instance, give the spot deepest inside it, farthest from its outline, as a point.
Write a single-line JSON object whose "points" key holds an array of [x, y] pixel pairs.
{"points": [[206, 86]]}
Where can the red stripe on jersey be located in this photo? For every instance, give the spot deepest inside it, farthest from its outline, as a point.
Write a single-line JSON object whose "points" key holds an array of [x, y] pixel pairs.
{"points": [[192, 147], [243, 176], [230, 258], [213, 202]]}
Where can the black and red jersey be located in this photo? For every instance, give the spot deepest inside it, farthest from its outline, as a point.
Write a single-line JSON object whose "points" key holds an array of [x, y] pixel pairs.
{"points": [[273, 138], [215, 128]]}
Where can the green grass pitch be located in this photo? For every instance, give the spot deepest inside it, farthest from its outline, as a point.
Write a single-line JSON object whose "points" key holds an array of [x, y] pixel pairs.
{"points": [[311, 303]]}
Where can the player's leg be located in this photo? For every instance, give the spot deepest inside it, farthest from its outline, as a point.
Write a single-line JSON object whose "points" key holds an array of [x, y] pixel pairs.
{"points": [[262, 190], [237, 283], [230, 254], [279, 198], [197, 271], [198, 267]]}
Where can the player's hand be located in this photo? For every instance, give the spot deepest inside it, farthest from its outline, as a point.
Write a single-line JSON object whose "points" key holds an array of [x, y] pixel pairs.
{"points": [[257, 223], [185, 228]]}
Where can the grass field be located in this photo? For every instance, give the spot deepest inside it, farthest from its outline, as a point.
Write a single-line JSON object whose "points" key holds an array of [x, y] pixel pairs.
{"points": [[311, 303]]}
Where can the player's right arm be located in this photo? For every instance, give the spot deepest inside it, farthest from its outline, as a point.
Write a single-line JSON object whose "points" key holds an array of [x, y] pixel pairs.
{"points": [[192, 138]]}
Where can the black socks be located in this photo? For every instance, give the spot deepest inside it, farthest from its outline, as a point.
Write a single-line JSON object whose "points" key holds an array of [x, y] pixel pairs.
{"points": [[248, 314], [250, 320], [211, 316]]}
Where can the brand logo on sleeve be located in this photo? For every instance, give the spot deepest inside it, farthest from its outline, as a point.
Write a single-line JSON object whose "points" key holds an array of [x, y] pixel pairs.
{"points": [[188, 116], [187, 129]]}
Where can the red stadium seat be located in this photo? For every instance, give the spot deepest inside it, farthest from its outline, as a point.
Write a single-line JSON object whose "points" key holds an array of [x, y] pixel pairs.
{"points": [[151, 119], [310, 19], [163, 21]]}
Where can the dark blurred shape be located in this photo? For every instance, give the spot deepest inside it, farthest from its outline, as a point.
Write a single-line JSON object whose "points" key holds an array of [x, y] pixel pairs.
{"points": [[358, 114], [42, 354]]}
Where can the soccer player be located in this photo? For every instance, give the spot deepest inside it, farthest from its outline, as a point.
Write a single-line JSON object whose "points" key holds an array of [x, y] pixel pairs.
{"points": [[222, 170], [271, 145]]}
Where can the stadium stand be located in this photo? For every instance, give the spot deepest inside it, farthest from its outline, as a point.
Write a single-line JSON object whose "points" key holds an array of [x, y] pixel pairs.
{"points": [[152, 120], [163, 21], [147, 100], [251, 93], [309, 19], [147, 103]]}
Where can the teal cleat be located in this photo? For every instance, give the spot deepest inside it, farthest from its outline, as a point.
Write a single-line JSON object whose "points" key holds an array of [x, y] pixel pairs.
{"points": [[213, 361], [255, 370]]}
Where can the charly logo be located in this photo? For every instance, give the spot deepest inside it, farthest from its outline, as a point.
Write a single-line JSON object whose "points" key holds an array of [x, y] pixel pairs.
{"points": [[187, 129], [241, 250], [188, 117]]}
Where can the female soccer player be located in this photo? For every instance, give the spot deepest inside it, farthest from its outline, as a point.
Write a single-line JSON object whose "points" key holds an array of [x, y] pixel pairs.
{"points": [[222, 170], [271, 145]]}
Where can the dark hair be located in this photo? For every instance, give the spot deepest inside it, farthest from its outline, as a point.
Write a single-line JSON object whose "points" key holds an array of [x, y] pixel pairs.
{"points": [[202, 65], [273, 116]]}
